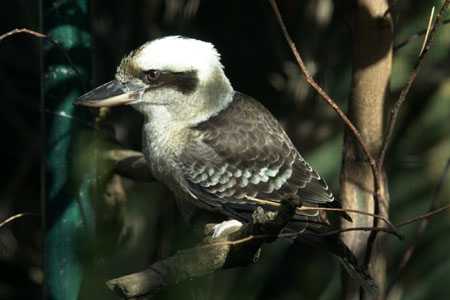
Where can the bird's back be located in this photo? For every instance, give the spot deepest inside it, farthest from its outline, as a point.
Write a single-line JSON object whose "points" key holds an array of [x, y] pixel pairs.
{"points": [[242, 158]]}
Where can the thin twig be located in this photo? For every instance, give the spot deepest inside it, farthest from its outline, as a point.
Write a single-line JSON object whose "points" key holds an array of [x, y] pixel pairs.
{"points": [[360, 212], [403, 43], [43, 36], [310, 80], [422, 226], [426, 216], [405, 90], [338, 231], [433, 210], [15, 217]]}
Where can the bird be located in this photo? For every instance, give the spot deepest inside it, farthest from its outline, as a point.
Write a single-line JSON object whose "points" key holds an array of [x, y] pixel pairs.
{"points": [[215, 148]]}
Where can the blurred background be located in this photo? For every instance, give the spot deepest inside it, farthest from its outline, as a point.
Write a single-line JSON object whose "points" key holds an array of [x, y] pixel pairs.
{"points": [[141, 224]]}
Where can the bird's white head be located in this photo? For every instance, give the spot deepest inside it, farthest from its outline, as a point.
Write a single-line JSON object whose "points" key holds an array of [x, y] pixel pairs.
{"points": [[179, 54], [172, 79]]}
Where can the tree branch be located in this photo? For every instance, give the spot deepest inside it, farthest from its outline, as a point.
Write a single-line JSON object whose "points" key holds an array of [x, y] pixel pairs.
{"points": [[237, 249]]}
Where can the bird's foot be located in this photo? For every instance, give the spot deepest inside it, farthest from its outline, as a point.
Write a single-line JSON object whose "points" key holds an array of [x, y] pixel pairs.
{"points": [[260, 216], [225, 228], [263, 223]]}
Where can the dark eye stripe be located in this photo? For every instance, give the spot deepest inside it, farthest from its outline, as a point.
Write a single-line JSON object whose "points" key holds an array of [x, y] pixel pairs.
{"points": [[184, 82]]}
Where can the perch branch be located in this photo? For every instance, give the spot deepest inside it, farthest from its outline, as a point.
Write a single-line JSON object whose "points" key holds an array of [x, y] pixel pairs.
{"points": [[205, 259], [239, 248], [405, 90]]}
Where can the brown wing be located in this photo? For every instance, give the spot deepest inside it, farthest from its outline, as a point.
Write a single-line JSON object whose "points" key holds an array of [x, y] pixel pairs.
{"points": [[242, 158]]}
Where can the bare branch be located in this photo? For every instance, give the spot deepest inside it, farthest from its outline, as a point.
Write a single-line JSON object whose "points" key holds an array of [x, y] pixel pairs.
{"points": [[405, 90]]}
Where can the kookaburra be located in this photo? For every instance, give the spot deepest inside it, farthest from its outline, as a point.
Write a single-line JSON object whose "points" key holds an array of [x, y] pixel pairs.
{"points": [[213, 146]]}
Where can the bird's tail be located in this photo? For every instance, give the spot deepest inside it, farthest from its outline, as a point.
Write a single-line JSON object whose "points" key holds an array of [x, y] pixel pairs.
{"points": [[335, 246]]}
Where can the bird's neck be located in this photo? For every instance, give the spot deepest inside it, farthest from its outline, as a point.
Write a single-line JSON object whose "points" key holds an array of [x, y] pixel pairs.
{"points": [[216, 104], [166, 130], [215, 95]]}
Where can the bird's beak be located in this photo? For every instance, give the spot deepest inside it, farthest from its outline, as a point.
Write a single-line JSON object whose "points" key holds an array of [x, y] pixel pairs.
{"points": [[112, 93]]}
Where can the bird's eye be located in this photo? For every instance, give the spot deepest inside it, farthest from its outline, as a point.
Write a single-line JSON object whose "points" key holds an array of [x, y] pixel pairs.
{"points": [[152, 75]]}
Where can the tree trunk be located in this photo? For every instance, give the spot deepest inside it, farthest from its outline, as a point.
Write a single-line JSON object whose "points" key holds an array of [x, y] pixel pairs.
{"points": [[372, 61]]}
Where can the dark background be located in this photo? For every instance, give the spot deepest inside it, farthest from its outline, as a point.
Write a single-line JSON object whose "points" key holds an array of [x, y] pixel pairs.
{"points": [[259, 64]]}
